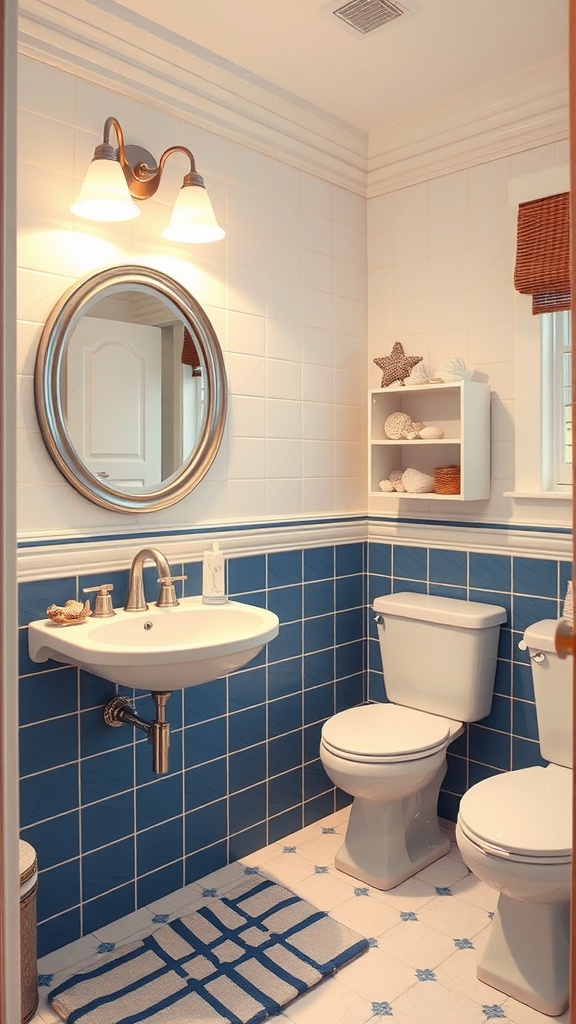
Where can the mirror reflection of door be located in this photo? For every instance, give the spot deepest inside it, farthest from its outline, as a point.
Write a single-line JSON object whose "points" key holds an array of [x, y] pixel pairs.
{"points": [[114, 398]]}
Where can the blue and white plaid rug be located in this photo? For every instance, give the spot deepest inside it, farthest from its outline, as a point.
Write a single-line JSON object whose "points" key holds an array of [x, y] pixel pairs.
{"points": [[238, 959]]}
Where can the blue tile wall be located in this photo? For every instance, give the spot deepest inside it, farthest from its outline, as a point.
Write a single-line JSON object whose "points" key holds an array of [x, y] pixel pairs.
{"points": [[244, 766]]}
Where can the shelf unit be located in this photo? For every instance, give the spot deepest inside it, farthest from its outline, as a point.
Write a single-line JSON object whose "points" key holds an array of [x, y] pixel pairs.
{"points": [[461, 409]]}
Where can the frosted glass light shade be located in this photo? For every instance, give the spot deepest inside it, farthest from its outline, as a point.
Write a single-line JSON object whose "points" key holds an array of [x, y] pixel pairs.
{"points": [[104, 194], [193, 218]]}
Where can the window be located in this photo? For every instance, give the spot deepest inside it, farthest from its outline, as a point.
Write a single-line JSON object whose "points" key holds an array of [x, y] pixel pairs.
{"points": [[556, 364]]}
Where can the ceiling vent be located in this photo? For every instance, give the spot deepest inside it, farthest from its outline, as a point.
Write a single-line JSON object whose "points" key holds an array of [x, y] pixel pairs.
{"points": [[367, 15]]}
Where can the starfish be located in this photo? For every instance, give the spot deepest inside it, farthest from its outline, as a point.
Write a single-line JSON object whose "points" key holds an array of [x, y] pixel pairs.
{"points": [[396, 366]]}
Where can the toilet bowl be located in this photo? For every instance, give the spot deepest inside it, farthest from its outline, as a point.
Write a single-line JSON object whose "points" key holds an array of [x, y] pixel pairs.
{"points": [[439, 658], [514, 831]]}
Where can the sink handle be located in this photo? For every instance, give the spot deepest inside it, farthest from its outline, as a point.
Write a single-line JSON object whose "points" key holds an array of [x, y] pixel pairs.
{"points": [[103, 604], [168, 597]]}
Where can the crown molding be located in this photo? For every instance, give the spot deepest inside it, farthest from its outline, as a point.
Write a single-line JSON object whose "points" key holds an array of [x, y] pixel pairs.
{"points": [[103, 42], [513, 114]]}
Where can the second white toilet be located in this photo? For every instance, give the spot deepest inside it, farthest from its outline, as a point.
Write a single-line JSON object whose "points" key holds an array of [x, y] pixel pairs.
{"points": [[439, 661]]}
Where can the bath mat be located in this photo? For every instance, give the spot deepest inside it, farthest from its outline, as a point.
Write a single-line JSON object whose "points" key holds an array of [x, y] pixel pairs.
{"points": [[239, 959]]}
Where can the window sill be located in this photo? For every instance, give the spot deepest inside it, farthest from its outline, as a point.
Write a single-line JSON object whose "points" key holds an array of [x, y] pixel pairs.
{"points": [[540, 495]]}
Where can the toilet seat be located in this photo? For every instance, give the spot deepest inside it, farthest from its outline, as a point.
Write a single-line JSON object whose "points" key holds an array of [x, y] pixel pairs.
{"points": [[382, 733], [522, 815]]}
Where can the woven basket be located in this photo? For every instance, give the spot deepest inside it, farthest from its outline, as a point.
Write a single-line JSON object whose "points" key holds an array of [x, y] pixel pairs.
{"points": [[447, 480]]}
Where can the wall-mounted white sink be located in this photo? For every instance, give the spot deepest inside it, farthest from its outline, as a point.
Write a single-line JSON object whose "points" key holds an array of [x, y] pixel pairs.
{"points": [[159, 649]]}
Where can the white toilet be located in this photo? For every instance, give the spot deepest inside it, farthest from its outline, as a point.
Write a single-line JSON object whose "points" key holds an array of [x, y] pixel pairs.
{"points": [[439, 661], [515, 833]]}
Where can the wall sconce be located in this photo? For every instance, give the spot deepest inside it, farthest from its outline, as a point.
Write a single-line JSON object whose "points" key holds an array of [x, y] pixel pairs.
{"points": [[116, 177]]}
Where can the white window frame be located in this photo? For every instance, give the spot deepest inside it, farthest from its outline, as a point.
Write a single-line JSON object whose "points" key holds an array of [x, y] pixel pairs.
{"points": [[556, 398], [531, 479]]}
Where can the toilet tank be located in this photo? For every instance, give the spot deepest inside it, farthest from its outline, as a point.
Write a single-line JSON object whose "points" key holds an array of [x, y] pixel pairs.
{"points": [[552, 692], [439, 654]]}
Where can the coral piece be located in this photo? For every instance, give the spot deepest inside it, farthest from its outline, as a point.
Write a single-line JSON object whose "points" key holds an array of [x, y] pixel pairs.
{"points": [[386, 485], [416, 482], [396, 366], [431, 433], [401, 425], [452, 368], [417, 375], [395, 478], [71, 614]]}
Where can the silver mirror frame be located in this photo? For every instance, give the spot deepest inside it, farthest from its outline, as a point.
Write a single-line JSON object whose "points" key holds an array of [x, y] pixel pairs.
{"points": [[49, 397]]}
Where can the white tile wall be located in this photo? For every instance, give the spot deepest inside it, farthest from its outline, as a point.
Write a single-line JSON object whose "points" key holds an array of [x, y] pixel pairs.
{"points": [[286, 292]]}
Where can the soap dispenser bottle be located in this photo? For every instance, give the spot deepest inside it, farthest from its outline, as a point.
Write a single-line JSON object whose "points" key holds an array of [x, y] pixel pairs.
{"points": [[213, 591]]}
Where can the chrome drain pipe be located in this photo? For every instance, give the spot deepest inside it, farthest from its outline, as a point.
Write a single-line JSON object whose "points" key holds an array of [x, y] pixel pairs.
{"points": [[119, 711]]}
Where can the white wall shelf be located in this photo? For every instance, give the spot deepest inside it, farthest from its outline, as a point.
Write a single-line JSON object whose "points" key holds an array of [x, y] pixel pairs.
{"points": [[461, 409]]}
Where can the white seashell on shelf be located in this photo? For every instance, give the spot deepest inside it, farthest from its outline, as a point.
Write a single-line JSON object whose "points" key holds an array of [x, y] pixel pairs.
{"points": [[431, 433], [399, 425], [395, 478], [386, 485], [417, 375], [416, 482], [452, 368]]}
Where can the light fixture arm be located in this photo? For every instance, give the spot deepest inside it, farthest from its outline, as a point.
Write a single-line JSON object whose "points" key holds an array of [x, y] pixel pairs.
{"points": [[142, 176]]}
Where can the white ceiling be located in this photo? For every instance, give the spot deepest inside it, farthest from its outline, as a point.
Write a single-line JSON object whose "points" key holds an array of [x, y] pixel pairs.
{"points": [[438, 50]]}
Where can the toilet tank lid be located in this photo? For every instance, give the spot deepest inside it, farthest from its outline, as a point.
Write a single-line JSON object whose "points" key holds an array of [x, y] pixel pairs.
{"points": [[540, 636], [446, 610]]}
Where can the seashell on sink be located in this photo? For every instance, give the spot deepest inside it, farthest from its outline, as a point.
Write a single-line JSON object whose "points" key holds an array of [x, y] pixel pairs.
{"points": [[160, 649]]}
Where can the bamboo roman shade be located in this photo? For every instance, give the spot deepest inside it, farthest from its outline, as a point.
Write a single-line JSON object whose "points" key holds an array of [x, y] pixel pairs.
{"points": [[543, 253]]}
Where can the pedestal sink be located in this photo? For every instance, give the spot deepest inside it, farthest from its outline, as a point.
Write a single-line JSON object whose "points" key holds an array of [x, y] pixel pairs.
{"points": [[159, 649]]}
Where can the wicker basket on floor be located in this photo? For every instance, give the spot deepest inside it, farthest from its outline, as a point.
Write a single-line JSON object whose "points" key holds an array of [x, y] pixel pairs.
{"points": [[447, 480]]}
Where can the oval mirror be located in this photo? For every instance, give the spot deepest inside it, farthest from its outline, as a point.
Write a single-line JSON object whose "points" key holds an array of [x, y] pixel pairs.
{"points": [[130, 389]]}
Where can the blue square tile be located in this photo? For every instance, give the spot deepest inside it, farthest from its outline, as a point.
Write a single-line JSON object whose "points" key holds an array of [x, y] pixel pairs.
{"points": [[341, 799], [36, 596], [319, 598], [159, 883], [245, 574], [535, 576], [409, 563], [319, 667], [320, 807], [48, 794], [246, 842], [96, 737], [107, 821], [202, 703], [349, 592], [284, 753], [380, 559], [312, 734], [206, 826], [489, 747], [375, 687], [456, 778], [106, 774], [197, 865], [288, 643], [247, 808], [349, 692], [205, 742], [58, 889], [99, 912], [378, 586], [349, 659], [350, 559], [319, 563], [400, 586], [443, 590], [478, 772], [498, 600], [448, 567], [503, 678], [48, 744], [284, 677], [490, 572], [108, 868], [318, 633], [247, 767], [528, 610], [286, 603], [245, 728], [526, 754], [206, 783], [349, 626], [58, 931], [284, 715], [285, 791], [316, 780], [56, 840], [246, 688], [522, 682], [448, 805], [48, 695], [193, 583], [95, 692], [284, 568], [284, 824], [500, 716], [319, 703], [159, 800], [160, 845], [524, 722]]}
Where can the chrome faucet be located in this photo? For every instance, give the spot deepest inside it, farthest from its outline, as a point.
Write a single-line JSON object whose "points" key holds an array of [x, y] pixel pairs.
{"points": [[135, 601]]}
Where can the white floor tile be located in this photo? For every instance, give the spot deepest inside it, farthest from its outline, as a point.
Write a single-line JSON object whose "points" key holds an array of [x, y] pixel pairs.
{"points": [[329, 1001], [415, 944], [365, 915], [443, 872], [430, 1002], [453, 917], [288, 869]]}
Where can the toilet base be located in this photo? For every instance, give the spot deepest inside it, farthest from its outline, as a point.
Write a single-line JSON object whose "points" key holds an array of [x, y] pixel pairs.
{"points": [[386, 843], [528, 953]]}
